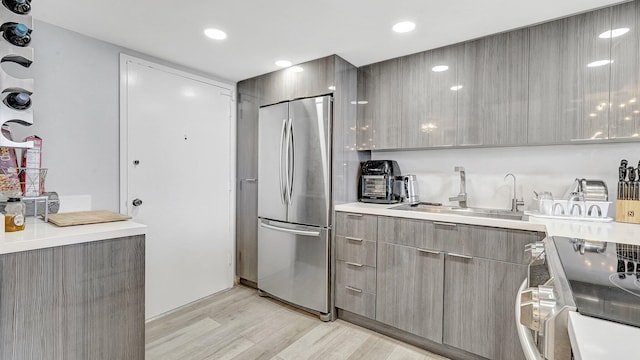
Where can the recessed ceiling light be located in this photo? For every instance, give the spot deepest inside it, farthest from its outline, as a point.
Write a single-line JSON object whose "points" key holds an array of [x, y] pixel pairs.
{"points": [[215, 34], [297, 69], [456, 87], [283, 63], [599, 63], [613, 33], [403, 27], [440, 68]]}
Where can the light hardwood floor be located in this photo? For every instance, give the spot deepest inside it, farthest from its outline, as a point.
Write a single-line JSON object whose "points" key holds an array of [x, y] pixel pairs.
{"points": [[238, 324]]}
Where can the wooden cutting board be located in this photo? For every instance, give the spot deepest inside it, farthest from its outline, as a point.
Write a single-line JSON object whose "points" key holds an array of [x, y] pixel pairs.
{"points": [[86, 217]]}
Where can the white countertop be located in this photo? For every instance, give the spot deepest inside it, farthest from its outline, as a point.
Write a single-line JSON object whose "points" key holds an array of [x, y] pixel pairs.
{"points": [[595, 339], [38, 234], [610, 231]]}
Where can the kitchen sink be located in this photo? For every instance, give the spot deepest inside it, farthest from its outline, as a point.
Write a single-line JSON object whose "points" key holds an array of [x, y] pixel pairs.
{"points": [[477, 212]]}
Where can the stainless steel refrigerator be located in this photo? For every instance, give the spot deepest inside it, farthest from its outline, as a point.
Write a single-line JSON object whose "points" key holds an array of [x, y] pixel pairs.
{"points": [[294, 201]]}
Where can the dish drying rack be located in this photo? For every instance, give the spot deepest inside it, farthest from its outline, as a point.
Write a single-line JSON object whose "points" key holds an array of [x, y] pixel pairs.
{"points": [[28, 184]]}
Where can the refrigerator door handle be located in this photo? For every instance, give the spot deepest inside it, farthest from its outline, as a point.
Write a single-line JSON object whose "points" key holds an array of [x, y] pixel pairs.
{"points": [[290, 231], [282, 185], [292, 162]]}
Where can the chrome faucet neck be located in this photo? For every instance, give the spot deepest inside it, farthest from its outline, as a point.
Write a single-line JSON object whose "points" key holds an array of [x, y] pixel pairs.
{"points": [[461, 198], [514, 201]]}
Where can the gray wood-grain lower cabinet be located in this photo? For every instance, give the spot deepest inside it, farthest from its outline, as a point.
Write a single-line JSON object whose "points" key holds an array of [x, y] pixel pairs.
{"points": [[569, 73], [479, 301], [453, 284], [83, 301], [379, 111], [624, 112], [410, 289], [493, 97], [355, 241], [429, 97]]}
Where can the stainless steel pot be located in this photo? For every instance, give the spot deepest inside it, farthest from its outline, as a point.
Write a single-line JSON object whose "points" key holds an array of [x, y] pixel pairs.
{"points": [[593, 190]]}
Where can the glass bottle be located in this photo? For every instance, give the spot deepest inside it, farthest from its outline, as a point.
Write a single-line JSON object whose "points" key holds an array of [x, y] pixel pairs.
{"points": [[20, 7], [18, 100], [17, 34], [14, 215]]}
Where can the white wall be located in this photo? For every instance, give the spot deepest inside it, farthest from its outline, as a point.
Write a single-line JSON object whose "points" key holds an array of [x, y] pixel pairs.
{"points": [[76, 110], [550, 168]]}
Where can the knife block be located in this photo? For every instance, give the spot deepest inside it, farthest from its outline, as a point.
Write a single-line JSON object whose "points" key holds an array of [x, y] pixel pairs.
{"points": [[628, 211]]}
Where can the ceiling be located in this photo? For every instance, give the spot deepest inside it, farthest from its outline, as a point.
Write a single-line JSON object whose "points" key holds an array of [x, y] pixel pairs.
{"points": [[261, 32]]}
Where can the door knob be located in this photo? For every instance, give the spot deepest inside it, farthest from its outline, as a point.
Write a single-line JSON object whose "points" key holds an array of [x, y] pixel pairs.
{"points": [[136, 202]]}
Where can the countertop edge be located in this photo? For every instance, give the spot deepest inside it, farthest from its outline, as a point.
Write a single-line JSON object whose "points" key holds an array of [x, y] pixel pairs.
{"points": [[41, 235], [599, 231]]}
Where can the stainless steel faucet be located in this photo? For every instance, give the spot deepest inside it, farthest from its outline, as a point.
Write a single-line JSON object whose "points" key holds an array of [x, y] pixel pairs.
{"points": [[462, 196], [514, 201]]}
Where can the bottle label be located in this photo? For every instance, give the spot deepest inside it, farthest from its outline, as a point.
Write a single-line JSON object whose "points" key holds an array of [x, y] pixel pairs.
{"points": [[18, 220]]}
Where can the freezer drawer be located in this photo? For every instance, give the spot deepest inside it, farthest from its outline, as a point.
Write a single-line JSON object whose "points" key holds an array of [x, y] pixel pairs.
{"points": [[293, 263]]}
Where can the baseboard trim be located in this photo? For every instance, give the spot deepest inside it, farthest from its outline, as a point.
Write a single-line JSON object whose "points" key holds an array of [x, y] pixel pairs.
{"points": [[440, 349]]}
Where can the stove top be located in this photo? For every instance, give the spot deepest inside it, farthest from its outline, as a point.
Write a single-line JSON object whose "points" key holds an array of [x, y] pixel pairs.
{"points": [[604, 278]]}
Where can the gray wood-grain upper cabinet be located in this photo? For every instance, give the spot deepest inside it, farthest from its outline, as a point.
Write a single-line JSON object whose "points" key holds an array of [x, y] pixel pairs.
{"points": [[569, 73], [429, 97], [247, 177], [379, 112], [493, 90], [356, 263], [409, 278], [312, 78], [308, 79], [83, 301], [624, 113]]}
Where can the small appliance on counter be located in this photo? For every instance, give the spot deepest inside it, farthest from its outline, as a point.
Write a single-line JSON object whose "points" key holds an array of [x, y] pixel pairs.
{"points": [[407, 187], [377, 182]]}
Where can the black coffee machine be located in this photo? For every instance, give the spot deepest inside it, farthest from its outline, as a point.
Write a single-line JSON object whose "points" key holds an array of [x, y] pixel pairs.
{"points": [[377, 179]]}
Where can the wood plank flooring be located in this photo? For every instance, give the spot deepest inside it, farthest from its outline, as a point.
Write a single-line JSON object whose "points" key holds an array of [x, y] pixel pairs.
{"points": [[238, 324]]}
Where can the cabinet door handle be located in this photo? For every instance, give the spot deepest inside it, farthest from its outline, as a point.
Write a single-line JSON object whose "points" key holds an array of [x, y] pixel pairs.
{"points": [[353, 264], [434, 252], [445, 224], [460, 256], [354, 215], [353, 289], [353, 239], [249, 180]]}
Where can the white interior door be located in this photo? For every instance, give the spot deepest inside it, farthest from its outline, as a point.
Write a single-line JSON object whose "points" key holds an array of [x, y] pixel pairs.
{"points": [[178, 163]]}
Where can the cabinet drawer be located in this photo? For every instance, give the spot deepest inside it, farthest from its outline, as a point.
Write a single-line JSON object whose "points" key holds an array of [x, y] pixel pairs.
{"points": [[356, 250], [356, 275], [356, 301], [357, 225], [486, 242]]}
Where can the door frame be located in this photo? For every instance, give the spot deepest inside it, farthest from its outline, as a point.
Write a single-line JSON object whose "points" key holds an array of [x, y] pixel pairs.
{"points": [[124, 139]]}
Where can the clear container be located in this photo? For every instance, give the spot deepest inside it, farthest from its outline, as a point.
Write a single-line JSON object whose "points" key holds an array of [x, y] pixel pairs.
{"points": [[14, 215]]}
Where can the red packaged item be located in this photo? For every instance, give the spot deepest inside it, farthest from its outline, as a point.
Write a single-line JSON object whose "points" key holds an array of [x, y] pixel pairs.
{"points": [[31, 179], [9, 180]]}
